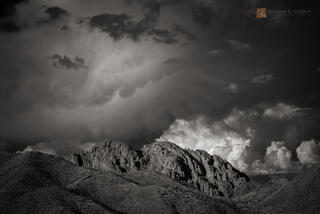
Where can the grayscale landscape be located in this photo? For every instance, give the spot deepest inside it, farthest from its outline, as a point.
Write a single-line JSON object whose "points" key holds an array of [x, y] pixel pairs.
{"points": [[159, 106], [160, 178]]}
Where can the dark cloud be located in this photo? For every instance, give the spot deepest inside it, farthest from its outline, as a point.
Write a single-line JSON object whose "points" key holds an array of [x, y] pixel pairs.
{"points": [[9, 26], [202, 13], [126, 91], [66, 63], [163, 36], [180, 29], [7, 14], [146, 24], [8, 7], [64, 27], [151, 62], [120, 25], [115, 25], [56, 12]]}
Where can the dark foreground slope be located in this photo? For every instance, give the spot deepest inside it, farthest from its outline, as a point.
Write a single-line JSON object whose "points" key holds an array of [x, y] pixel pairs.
{"points": [[298, 196], [301, 195], [207, 173], [40, 183]]}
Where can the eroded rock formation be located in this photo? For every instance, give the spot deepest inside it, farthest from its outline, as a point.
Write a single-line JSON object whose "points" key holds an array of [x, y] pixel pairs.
{"points": [[208, 173]]}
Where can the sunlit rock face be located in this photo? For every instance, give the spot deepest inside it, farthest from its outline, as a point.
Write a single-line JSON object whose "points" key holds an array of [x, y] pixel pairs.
{"points": [[208, 173]]}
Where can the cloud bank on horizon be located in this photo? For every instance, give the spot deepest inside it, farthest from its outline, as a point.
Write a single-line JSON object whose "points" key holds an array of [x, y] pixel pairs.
{"points": [[236, 139]]}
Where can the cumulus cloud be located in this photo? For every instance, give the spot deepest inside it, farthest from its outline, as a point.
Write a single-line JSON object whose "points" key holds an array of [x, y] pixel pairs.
{"points": [[239, 46], [309, 152], [232, 88], [278, 155], [223, 138], [238, 138], [282, 111], [262, 79], [277, 159]]}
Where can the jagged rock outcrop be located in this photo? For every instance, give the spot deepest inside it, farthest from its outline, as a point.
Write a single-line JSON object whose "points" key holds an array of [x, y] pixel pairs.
{"points": [[114, 156], [208, 173]]}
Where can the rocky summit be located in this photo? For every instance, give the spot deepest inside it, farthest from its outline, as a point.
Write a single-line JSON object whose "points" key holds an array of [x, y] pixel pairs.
{"points": [[207, 173]]}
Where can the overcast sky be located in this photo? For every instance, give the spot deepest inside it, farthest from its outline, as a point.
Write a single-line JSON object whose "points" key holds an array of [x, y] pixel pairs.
{"points": [[206, 74]]}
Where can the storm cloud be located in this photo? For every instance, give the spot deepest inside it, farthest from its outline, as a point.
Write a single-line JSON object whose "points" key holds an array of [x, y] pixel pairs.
{"points": [[7, 12], [136, 70], [56, 12]]}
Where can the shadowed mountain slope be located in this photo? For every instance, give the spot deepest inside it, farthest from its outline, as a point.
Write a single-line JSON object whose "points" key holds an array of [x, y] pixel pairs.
{"points": [[40, 183]]}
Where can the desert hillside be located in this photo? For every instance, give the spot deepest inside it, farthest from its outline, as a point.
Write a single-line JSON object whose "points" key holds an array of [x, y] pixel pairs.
{"points": [[39, 183]]}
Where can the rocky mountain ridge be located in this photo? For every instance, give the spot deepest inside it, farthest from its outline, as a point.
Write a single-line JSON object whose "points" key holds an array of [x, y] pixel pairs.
{"points": [[39, 183], [207, 173]]}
